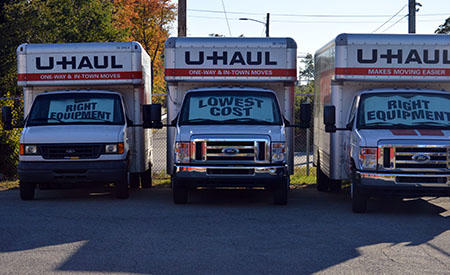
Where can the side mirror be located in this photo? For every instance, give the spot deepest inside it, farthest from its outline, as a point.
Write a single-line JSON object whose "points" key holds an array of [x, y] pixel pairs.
{"points": [[329, 118], [305, 115], [7, 118], [152, 116]]}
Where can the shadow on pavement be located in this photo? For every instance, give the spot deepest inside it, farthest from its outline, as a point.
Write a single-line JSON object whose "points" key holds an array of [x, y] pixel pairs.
{"points": [[219, 231]]}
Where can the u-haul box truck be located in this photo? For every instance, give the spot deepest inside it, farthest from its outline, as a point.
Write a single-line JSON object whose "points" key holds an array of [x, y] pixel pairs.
{"points": [[230, 109], [390, 104], [82, 105]]}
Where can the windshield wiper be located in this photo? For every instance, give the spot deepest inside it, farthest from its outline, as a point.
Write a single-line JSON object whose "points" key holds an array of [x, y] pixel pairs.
{"points": [[96, 119], [248, 120], [198, 120], [47, 119]]}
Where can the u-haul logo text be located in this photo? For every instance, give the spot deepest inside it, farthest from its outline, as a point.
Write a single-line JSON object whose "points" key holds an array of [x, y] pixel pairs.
{"points": [[77, 63], [401, 56], [229, 58]]}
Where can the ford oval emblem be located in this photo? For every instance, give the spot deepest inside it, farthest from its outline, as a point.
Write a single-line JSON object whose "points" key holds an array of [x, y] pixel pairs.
{"points": [[421, 157], [230, 151]]}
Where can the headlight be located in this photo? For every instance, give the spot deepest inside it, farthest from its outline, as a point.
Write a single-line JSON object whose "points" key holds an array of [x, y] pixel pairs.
{"points": [[278, 152], [182, 154], [114, 148], [26, 149], [368, 158]]}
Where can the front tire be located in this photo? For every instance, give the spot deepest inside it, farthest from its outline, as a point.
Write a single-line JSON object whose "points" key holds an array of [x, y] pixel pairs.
{"points": [[179, 191], [280, 192], [134, 180], [359, 199], [146, 179], [322, 180], [26, 190]]}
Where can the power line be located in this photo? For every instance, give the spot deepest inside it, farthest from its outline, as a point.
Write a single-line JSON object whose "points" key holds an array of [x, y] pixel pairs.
{"points": [[395, 23], [389, 19], [312, 15], [226, 18], [308, 22]]}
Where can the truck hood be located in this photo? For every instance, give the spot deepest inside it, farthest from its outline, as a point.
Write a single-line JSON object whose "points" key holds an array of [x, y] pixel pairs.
{"points": [[372, 137], [72, 134], [275, 132]]}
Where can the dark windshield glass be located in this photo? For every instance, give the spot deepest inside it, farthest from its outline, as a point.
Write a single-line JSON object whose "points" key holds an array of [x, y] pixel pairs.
{"points": [[76, 108], [404, 110], [230, 108]]}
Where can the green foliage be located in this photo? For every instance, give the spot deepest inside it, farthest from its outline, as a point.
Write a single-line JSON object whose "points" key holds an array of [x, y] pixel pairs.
{"points": [[43, 21], [444, 28], [307, 73]]}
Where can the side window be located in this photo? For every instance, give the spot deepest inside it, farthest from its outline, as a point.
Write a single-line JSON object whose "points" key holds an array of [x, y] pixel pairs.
{"points": [[352, 114]]}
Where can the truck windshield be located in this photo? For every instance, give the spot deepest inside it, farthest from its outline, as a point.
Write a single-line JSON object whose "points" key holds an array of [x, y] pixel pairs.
{"points": [[76, 108], [228, 107], [404, 110]]}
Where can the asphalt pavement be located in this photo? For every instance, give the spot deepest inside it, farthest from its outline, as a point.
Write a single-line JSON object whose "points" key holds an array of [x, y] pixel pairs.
{"points": [[221, 232]]}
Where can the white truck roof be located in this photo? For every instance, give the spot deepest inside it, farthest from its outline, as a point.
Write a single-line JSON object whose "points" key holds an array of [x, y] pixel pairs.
{"points": [[99, 63], [230, 59], [386, 57]]}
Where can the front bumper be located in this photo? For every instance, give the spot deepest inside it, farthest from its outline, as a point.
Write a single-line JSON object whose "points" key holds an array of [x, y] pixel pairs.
{"points": [[71, 174], [227, 176], [404, 185]]}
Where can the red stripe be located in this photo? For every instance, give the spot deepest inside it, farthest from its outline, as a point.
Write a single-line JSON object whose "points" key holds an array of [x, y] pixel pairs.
{"points": [[232, 72], [78, 76], [394, 71], [403, 132], [430, 132]]}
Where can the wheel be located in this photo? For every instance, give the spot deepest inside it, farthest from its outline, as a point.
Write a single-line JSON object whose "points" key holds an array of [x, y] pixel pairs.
{"points": [[359, 200], [134, 180], [146, 178], [121, 187], [180, 192], [335, 186], [26, 190], [323, 181], [280, 191]]}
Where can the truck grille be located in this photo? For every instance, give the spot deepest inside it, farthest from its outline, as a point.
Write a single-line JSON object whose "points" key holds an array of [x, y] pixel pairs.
{"points": [[66, 151], [415, 157], [231, 150]]}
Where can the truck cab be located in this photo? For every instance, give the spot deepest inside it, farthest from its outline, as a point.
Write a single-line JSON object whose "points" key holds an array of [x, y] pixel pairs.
{"points": [[399, 143], [73, 137], [230, 136]]}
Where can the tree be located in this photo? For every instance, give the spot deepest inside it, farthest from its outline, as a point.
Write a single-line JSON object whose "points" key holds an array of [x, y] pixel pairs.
{"points": [[307, 73], [444, 28], [43, 21], [148, 22]]}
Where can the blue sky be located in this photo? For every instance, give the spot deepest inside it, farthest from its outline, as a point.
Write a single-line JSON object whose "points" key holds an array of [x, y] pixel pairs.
{"points": [[312, 23]]}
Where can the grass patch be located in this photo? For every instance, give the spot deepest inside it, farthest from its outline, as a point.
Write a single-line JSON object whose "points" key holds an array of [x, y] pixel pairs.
{"points": [[9, 184], [300, 178], [161, 180]]}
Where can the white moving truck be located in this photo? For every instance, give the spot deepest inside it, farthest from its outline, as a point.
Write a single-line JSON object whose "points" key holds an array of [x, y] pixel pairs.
{"points": [[390, 98], [83, 116], [230, 113]]}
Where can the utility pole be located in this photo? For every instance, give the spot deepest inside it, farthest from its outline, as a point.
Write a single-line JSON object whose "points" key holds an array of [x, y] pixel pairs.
{"points": [[267, 24], [181, 18], [412, 16]]}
